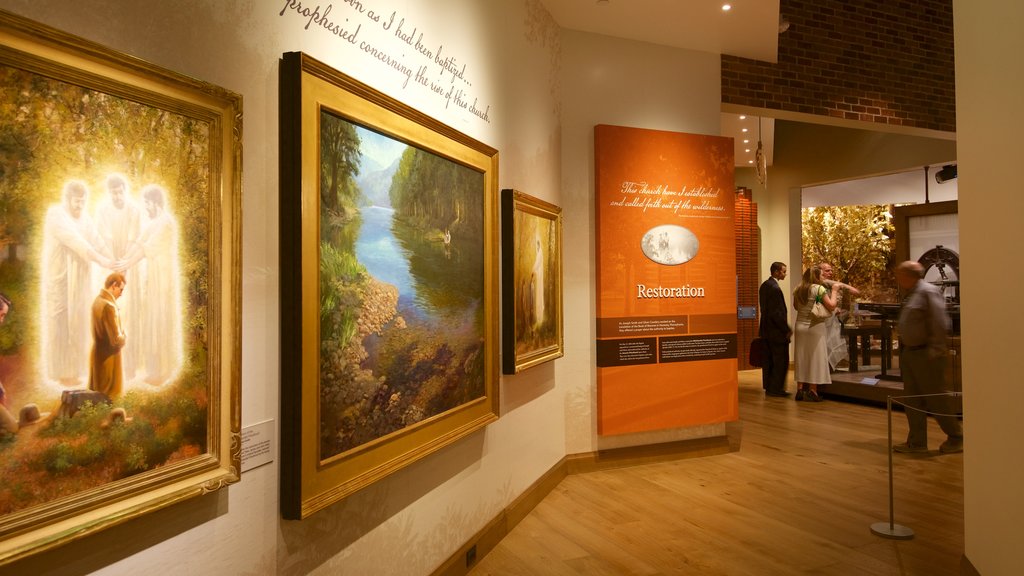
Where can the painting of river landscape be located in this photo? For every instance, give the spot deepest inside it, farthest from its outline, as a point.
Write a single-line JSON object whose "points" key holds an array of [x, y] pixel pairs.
{"points": [[401, 275], [389, 285]]}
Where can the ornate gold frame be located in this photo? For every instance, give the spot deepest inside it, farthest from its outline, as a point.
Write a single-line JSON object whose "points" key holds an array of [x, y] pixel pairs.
{"points": [[517, 353], [308, 482], [38, 49]]}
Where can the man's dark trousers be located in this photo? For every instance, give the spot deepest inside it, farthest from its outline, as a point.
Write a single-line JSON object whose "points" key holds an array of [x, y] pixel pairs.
{"points": [[776, 365]]}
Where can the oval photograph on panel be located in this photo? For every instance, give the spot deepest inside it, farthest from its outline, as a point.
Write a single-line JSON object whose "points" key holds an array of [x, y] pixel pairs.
{"points": [[669, 244]]}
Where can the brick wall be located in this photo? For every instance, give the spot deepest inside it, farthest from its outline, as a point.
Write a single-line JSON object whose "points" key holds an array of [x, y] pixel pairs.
{"points": [[748, 252], [880, 61]]}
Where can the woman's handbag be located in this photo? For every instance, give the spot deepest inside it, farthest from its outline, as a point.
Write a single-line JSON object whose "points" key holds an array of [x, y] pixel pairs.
{"points": [[818, 308]]}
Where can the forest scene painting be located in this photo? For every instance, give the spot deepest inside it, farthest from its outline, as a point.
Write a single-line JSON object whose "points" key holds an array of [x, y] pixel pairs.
{"points": [[389, 245], [102, 379], [401, 285]]}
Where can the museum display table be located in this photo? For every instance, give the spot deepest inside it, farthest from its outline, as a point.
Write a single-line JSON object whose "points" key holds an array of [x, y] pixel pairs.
{"points": [[888, 315], [875, 320], [862, 334]]}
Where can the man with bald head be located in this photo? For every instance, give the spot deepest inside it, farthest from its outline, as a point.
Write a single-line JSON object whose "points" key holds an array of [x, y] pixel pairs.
{"points": [[923, 329], [835, 343]]}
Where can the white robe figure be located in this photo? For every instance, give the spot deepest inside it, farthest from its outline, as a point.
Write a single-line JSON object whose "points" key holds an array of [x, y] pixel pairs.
{"points": [[159, 308], [538, 286], [118, 221], [70, 246]]}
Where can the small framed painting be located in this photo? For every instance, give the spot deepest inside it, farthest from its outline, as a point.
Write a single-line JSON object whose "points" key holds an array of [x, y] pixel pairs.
{"points": [[531, 268]]}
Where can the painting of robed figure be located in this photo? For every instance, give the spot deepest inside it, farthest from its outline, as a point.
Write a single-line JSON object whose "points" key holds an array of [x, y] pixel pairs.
{"points": [[117, 237], [531, 268], [389, 241]]}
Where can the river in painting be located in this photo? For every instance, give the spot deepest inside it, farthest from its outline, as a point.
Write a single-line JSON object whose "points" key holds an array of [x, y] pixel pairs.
{"points": [[438, 292], [412, 342]]}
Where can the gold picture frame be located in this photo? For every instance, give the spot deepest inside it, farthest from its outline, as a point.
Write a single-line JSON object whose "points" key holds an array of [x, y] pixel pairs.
{"points": [[531, 272], [85, 449], [389, 230]]}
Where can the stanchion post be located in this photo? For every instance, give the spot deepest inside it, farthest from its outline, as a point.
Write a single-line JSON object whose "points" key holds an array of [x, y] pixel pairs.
{"points": [[891, 529]]}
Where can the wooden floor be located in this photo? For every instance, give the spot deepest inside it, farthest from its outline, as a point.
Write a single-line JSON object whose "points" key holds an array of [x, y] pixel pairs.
{"points": [[797, 494]]}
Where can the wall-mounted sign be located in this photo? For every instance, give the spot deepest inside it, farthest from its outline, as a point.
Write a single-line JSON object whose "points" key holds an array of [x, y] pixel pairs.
{"points": [[666, 308]]}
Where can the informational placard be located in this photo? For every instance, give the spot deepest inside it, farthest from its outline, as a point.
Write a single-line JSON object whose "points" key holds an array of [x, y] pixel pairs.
{"points": [[666, 280], [257, 445]]}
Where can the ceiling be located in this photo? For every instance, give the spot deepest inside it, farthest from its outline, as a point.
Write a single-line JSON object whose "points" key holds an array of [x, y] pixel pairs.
{"points": [[746, 131], [749, 30], [906, 187]]}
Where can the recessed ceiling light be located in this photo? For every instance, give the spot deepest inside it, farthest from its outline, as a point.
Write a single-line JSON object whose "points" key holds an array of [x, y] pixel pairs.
{"points": [[744, 129], [746, 150], [746, 141], [726, 7], [743, 116], [750, 161]]}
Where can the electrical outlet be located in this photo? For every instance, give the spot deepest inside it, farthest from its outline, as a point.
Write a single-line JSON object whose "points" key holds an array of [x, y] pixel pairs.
{"points": [[471, 556]]}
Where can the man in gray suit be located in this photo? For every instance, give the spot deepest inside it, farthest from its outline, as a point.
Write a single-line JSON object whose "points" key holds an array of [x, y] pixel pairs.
{"points": [[923, 327]]}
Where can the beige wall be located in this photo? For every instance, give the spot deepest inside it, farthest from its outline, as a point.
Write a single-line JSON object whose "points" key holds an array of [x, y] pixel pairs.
{"points": [[989, 126]]}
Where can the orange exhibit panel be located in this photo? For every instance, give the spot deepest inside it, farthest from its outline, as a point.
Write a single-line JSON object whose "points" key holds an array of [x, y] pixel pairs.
{"points": [[666, 280]]}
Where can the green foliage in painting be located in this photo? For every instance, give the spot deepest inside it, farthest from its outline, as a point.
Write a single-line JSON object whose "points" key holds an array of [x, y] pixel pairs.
{"points": [[431, 192], [51, 132], [339, 164], [857, 240], [91, 448], [19, 318], [342, 277], [383, 368], [341, 281]]}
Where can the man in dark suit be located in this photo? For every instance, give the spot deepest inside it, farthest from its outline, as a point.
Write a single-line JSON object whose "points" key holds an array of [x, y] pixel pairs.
{"points": [[775, 332]]}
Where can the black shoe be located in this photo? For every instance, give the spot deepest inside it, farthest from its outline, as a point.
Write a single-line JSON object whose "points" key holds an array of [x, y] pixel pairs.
{"points": [[777, 394], [801, 395], [907, 448], [952, 446], [812, 396]]}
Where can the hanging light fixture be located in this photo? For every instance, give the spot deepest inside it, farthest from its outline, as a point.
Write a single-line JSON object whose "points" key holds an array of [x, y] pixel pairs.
{"points": [[760, 162]]}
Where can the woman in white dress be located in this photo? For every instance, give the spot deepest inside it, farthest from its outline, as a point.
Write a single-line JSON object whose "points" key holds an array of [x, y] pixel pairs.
{"points": [[838, 349], [811, 350]]}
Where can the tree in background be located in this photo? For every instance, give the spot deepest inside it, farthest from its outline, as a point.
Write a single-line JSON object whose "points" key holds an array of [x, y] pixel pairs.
{"points": [[434, 193], [858, 241], [339, 165]]}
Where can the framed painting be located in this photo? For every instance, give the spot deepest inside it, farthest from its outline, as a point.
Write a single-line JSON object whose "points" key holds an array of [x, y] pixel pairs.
{"points": [[531, 281], [120, 353], [389, 230]]}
